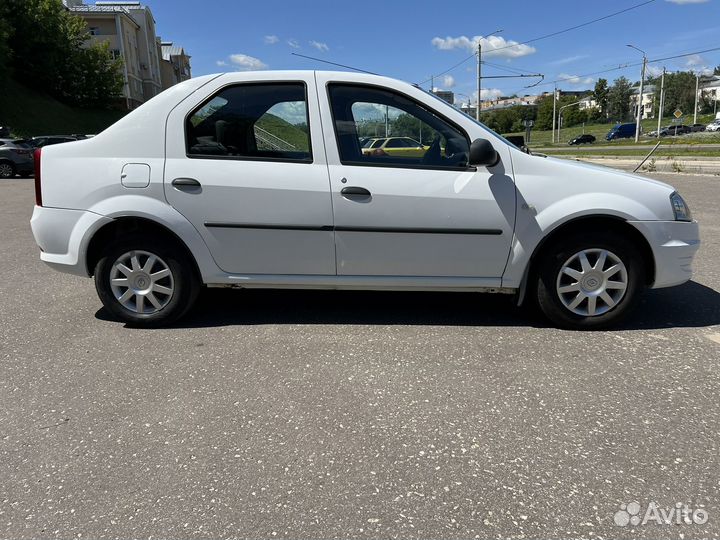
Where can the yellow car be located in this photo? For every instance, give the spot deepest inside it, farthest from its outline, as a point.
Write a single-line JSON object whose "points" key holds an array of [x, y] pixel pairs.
{"points": [[394, 146]]}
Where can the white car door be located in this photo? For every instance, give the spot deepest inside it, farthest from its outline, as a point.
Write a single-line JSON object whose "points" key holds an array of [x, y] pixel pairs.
{"points": [[245, 164], [427, 214]]}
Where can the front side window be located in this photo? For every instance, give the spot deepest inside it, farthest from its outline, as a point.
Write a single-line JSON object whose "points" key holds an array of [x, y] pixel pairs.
{"points": [[252, 121], [416, 136]]}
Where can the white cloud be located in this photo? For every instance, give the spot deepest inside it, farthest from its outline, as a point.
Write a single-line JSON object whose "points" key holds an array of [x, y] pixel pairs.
{"points": [[293, 43], [488, 93], [699, 65], [244, 62], [695, 60], [271, 40], [322, 47], [654, 71], [448, 81], [681, 2], [576, 80], [568, 60], [221, 63], [493, 46]]}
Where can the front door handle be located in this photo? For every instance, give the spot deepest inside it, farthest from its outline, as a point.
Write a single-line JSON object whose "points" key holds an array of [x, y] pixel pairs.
{"points": [[356, 191], [186, 182]]}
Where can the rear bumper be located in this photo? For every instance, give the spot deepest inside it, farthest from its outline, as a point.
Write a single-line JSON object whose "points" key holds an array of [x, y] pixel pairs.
{"points": [[63, 236], [674, 245]]}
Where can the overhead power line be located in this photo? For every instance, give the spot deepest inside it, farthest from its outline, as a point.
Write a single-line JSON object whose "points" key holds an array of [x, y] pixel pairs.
{"points": [[632, 64], [546, 36]]}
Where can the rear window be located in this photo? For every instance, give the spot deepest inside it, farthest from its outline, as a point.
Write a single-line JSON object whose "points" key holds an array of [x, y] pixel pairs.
{"points": [[252, 121]]}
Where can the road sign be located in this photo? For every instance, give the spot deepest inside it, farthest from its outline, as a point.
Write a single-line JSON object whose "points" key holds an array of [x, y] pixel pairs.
{"points": [[528, 123], [678, 113]]}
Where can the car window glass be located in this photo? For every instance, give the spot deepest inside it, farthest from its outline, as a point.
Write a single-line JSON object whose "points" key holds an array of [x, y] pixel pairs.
{"points": [[418, 136], [260, 121]]}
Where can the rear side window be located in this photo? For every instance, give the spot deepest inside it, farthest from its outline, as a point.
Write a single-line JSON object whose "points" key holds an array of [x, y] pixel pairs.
{"points": [[252, 121]]}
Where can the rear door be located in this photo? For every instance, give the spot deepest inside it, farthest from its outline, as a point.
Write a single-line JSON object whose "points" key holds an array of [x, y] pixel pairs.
{"points": [[246, 166]]}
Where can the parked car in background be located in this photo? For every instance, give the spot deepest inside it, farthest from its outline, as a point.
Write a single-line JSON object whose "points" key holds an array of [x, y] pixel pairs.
{"points": [[395, 146], [46, 140], [15, 159], [674, 130], [713, 126], [181, 193], [697, 127], [582, 139], [621, 131]]}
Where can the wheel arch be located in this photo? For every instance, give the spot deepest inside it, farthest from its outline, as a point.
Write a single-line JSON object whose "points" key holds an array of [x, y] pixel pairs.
{"points": [[125, 225], [588, 222]]}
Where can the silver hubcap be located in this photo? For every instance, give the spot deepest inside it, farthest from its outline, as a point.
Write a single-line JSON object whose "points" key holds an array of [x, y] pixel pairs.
{"points": [[592, 282], [141, 282], [5, 170]]}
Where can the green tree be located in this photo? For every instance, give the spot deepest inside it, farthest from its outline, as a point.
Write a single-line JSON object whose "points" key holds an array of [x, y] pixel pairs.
{"points": [[618, 106], [601, 94], [544, 119], [46, 45]]}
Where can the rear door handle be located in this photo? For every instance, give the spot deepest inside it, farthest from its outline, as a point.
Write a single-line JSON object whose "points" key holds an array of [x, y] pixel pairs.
{"points": [[356, 191], [185, 182]]}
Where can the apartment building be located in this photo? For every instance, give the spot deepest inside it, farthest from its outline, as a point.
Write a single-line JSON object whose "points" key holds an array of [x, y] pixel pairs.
{"points": [[129, 28], [175, 65]]}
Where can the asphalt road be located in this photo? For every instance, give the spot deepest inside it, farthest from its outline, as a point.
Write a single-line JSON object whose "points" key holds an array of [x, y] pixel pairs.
{"points": [[352, 414]]}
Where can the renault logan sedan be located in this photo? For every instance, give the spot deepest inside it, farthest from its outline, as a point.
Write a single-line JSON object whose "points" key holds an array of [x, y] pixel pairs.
{"points": [[258, 180]]}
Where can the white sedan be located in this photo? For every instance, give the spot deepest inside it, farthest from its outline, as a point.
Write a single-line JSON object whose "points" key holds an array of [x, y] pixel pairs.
{"points": [[259, 180]]}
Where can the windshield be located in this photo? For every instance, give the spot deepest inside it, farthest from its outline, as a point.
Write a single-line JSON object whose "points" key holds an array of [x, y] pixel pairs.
{"points": [[503, 139]]}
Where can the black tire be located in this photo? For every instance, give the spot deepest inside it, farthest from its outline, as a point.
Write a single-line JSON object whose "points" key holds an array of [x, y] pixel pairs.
{"points": [[552, 262], [5, 172], [184, 281]]}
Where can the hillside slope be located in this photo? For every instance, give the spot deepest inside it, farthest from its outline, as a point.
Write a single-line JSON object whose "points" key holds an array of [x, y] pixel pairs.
{"points": [[28, 113]]}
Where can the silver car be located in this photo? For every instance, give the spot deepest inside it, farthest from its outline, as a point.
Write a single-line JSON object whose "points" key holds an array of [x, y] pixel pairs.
{"points": [[15, 159]]}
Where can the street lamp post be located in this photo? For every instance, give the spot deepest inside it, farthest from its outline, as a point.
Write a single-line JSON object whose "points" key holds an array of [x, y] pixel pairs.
{"points": [[479, 73], [560, 116], [640, 95]]}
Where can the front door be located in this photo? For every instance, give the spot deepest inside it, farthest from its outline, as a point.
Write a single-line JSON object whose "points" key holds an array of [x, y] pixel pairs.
{"points": [[246, 166], [421, 213]]}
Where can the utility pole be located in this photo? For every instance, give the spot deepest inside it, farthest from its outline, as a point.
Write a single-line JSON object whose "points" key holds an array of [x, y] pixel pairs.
{"points": [[479, 73], [662, 102], [697, 89], [640, 95], [479, 81], [554, 111]]}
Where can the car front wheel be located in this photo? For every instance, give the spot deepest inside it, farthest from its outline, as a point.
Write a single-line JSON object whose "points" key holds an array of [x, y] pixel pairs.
{"points": [[592, 281], [146, 282]]}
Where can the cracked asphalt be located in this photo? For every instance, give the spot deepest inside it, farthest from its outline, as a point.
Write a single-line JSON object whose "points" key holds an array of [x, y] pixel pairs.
{"points": [[291, 414]]}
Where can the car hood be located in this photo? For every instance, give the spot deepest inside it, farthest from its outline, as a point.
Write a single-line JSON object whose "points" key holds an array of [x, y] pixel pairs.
{"points": [[601, 169], [586, 188]]}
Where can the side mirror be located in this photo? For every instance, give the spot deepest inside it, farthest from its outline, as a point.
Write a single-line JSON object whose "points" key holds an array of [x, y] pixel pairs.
{"points": [[482, 153]]}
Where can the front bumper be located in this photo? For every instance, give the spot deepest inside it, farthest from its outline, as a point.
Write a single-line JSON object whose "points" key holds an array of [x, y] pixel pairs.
{"points": [[674, 244], [63, 236]]}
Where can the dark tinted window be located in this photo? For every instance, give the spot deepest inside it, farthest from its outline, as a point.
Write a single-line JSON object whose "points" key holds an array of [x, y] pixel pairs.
{"points": [[360, 111], [262, 121]]}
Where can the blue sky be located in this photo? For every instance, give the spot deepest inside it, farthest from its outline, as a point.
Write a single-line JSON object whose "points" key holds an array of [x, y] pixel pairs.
{"points": [[413, 40]]}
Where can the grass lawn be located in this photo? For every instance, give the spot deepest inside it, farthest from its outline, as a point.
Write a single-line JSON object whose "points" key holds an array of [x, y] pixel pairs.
{"points": [[29, 113], [544, 138]]}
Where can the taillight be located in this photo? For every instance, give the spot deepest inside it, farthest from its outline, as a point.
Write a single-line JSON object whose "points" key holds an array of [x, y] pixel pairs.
{"points": [[38, 188]]}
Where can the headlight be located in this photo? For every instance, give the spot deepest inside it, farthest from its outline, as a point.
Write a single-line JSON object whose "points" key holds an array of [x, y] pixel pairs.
{"points": [[681, 210]]}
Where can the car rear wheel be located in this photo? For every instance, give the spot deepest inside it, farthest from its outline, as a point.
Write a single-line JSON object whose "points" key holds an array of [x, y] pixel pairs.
{"points": [[590, 281], [146, 282], [7, 169]]}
